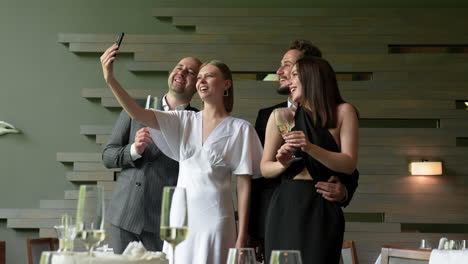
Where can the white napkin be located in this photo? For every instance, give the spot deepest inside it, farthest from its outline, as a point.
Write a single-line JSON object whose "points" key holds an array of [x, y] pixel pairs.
{"points": [[449, 256], [136, 250]]}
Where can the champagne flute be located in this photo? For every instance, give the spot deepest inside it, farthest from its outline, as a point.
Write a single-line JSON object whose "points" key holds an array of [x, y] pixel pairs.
{"points": [[66, 233], [285, 257], [241, 256], [90, 216], [284, 118], [174, 217]]}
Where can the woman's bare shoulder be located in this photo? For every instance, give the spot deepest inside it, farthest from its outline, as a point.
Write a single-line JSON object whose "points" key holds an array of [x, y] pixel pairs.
{"points": [[346, 107]]}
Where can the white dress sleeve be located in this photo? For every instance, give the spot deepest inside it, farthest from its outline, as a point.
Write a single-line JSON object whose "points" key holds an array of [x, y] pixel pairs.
{"points": [[169, 136], [246, 152]]}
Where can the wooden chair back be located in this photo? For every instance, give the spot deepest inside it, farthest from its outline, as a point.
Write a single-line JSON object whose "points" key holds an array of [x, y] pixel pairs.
{"points": [[400, 255], [36, 246], [348, 253], [2, 252]]}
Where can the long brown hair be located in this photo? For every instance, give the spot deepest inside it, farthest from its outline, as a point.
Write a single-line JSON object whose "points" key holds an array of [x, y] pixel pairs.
{"points": [[228, 99], [320, 90]]}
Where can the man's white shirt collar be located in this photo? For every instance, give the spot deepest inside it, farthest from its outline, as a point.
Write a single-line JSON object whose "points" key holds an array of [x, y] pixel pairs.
{"points": [[167, 108]]}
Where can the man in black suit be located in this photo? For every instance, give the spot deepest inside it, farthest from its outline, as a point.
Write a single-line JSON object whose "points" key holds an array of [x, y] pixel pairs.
{"points": [[263, 188], [135, 208]]}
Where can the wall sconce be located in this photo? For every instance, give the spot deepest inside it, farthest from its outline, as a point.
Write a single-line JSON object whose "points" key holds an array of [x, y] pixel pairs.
{"points": [[425, 167]]}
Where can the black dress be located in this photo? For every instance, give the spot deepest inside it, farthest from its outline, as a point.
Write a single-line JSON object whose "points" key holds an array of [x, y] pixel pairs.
{"points": [[298, 217]]}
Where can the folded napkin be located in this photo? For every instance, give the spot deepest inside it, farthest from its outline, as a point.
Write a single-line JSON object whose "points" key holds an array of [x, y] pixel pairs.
{"points": [[136, 250], [449, 256]]}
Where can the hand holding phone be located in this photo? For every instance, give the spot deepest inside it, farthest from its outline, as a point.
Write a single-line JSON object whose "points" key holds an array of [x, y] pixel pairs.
{"points": [[119, 40]]}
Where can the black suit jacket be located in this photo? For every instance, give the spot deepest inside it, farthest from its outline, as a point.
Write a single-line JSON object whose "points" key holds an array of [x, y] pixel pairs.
{"points": [[263, 188]]}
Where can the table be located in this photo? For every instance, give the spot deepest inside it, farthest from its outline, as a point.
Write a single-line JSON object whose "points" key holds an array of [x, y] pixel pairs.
{"points": [[449, 256], [148, 257]]}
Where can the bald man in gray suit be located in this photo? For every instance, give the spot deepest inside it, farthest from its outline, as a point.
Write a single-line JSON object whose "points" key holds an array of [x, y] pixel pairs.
{"points": [[135, 207]]}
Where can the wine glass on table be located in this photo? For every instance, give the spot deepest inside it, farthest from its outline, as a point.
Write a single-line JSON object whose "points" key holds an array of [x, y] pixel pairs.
{"points": [[285, 257], [174, 217], [90, 216], [284, 118], [241, 256]]}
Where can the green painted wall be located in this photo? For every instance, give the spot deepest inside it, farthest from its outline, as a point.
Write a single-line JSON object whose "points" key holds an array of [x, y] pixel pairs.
{"points": [[41, 82]]}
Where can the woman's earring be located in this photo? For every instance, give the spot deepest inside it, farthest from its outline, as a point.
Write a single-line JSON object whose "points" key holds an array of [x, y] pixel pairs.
{"points": [[226, 93]]}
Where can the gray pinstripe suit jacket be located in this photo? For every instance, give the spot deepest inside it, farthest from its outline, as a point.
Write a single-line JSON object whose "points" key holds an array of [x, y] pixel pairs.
{"points": [[136, 201]]}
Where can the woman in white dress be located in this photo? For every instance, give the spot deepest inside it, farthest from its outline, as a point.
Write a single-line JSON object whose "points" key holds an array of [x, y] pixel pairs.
{"points": [[210, 146]]}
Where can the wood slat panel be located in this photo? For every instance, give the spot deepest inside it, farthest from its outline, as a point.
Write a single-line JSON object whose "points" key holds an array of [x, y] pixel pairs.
{"points": [[34, 213], [306, 12], [78, 156], [258, 38], [74, 194], [47, 232], [102, 139], [415, 188], [106, 92], [455, 123], [369, 30], [60, 204], [407, 179], [91, 167], [351, 91], [183, 47], [32, 223], [363, 21], [107, 185], [87, 176], [275, 51], [409, 136], [441, 217], [36, 223], [398, 238], [372, 227], [95, 130], [340, 62]]}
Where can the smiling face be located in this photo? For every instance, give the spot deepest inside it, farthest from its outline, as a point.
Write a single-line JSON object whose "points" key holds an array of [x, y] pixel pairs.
{"points": [[295, 86], [211, 83], [182, 79], [283, 72]]}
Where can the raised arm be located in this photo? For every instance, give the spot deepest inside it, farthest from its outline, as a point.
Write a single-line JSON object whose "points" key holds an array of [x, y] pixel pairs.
{"points": [[275, 157], [135, 111]]}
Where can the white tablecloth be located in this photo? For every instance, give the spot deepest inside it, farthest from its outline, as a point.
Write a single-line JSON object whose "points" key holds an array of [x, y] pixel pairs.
{"points": [[449, 256], [444, 257]]}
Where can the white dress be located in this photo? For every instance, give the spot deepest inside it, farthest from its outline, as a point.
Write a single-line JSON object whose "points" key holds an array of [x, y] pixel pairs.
{"points": [[205, 171]]}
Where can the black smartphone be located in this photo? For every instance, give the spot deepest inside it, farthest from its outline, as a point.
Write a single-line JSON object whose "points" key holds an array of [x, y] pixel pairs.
{"points": [[119, 40]]}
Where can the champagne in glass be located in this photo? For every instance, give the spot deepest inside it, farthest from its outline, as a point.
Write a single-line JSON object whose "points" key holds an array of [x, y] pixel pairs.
{"points": [[90, 216], [174, 217], [284, 118], [241, 256], [285, 257]]}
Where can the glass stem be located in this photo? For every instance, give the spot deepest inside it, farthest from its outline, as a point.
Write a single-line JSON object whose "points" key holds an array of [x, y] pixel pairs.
{"points": [[91, 251], [173, 254]]}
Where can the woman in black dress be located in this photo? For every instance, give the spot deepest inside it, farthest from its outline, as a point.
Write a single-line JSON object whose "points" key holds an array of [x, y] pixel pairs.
{"points": [[326, 132]]}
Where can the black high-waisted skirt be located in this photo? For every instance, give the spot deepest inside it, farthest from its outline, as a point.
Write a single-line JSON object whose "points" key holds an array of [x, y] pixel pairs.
{"points": [[299, 218]]}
